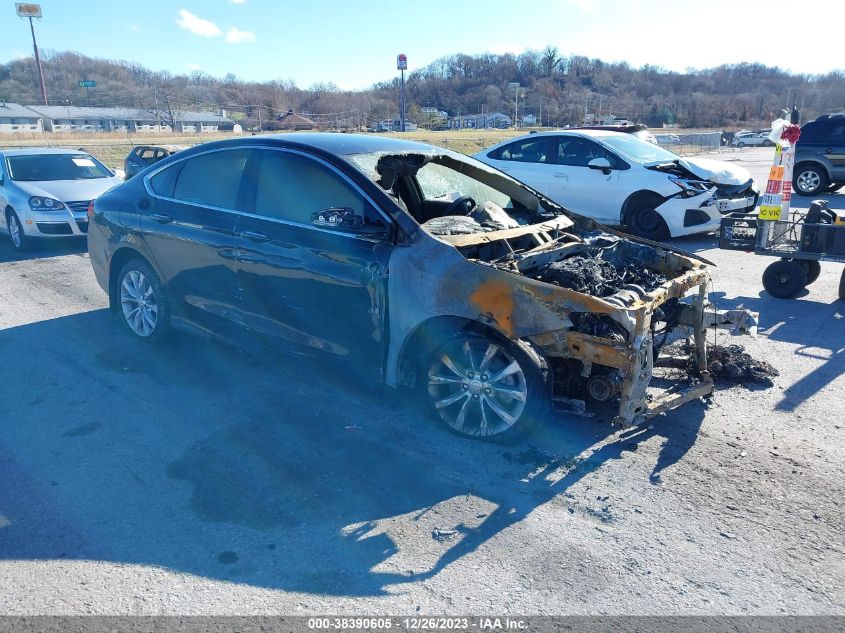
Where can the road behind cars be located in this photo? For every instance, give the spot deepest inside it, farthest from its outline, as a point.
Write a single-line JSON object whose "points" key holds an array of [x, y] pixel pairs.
{"points": [[193, 478]]}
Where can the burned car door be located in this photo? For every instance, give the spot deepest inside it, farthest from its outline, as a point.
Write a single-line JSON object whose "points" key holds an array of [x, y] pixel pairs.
{"points": [[189, 228], [312, 258]]}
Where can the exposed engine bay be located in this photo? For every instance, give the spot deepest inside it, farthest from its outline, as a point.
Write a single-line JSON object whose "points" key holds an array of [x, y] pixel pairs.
{"points": [[597, 305]]}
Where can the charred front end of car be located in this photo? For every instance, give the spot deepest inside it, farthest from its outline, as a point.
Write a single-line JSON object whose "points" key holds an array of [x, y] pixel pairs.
{"points": [[618, 302]]}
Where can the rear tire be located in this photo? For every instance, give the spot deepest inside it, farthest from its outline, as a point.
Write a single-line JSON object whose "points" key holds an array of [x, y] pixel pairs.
{"points": [[842, 286], [485, 387], [784, 279], [20, 241], [643, 220], [740, 145], [812, 268], [142, 301], [809, 179]]}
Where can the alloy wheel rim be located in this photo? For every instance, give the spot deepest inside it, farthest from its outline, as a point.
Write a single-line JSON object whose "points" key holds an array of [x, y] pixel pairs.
{"points": [[15, 231], [808, 181], [138, 302], [477, 388]]}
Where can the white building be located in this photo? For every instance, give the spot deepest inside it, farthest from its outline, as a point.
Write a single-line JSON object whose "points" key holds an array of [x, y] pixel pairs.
{"points": [[18, 119], [477, 121], [88, 119]]}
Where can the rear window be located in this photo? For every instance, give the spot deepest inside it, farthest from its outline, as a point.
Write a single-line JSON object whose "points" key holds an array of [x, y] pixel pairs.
{"points": [[43, 167]]}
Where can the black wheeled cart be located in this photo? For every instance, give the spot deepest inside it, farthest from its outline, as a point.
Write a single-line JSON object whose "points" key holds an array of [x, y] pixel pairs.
{"points": [[817, 235]]}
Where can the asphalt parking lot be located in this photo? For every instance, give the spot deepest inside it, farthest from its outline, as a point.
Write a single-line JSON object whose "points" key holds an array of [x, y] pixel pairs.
{"points": [[193, 478]]}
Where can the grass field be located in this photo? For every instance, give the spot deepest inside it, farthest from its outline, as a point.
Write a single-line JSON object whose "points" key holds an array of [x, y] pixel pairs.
{"points": [[112, 148]]}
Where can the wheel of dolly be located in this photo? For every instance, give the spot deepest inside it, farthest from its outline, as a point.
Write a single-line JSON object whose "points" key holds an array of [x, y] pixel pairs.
{"points": [[812, 268], [142, 301], [485, 387], [784, 279], [842, 285]]}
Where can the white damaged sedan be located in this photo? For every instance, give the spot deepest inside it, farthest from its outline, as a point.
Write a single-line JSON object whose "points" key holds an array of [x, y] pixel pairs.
{"points": [[616, 178], [45, 193]]}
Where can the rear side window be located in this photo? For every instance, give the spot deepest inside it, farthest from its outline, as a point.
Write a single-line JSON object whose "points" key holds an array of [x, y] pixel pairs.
{"points": [[212, 179], [829, 131], [526, 151], [164, 181], [291, 187]]}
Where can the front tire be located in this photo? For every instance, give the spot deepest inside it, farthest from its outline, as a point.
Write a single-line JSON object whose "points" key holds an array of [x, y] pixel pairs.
{"points": [[20, 240], [643, 220], [810, 179], [484, 387], [784, 279], [142, 301]]}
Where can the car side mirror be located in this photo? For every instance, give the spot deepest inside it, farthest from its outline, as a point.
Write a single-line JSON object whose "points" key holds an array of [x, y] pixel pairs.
{"points": [[601, 164], [344, 219]]}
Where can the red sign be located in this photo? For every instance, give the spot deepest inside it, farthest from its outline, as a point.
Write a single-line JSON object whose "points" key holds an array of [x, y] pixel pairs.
{"points": [[401, 62]]}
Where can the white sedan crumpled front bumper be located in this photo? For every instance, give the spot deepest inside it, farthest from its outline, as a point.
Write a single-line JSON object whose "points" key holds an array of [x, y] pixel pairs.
{"points": [[701, 213]]}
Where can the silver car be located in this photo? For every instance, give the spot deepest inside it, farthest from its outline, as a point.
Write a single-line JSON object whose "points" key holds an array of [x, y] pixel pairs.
{"points": [[45, 193]]}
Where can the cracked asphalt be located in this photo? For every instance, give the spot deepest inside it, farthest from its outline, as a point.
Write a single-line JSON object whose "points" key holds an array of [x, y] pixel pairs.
{"points": [[193, 478]]}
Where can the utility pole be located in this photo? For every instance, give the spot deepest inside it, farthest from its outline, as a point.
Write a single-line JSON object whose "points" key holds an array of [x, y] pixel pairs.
{"points": [[33, 11], [515, 86], [259, 118]]}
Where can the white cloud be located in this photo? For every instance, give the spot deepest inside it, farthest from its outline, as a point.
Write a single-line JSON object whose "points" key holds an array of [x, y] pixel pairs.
{"points": [[193, 67], [19, 55], [238, 1], [236, 36], [197, 25]]}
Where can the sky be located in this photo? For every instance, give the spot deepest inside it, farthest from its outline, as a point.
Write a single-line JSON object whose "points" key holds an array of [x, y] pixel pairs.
{"points": [[354, 44]]}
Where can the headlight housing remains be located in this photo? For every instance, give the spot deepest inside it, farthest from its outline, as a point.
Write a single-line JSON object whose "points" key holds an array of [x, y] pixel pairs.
{"points": [[690, 188], [40, 203]]}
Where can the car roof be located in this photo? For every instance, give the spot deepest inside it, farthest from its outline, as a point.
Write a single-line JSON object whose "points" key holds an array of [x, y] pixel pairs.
{"points": [[339, 144], [35, 151]]}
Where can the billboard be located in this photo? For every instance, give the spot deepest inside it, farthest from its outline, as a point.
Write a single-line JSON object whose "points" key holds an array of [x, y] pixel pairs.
{"points": [[28, 10]]}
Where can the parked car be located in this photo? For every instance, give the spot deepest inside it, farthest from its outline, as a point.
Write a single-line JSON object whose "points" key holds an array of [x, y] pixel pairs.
{"points": [[418, 264], [143, 156], [752, 139], [45, 193], [820, 156], [638, 130], [619, 179]]}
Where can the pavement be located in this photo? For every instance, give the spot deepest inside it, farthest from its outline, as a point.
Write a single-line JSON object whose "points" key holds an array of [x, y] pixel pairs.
{"points": [[194, 478]]}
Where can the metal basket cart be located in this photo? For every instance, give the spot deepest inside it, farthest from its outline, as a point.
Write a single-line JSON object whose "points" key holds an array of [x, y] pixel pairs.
{"points": [[800, 246]]}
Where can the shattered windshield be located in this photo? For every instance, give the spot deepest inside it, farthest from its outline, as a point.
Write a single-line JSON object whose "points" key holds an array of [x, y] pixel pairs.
{"points": [[638, 150], [450, 194]]}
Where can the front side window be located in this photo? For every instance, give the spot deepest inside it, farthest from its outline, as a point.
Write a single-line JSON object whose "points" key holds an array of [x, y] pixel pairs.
{"points": [[292, 187], [578, 152], [526, 151], [43, 167], [212, 179]]}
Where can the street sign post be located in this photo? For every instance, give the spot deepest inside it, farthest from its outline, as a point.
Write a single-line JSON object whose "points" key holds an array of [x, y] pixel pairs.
{"points": [[87, 84], [402, 66], [30, 11]]}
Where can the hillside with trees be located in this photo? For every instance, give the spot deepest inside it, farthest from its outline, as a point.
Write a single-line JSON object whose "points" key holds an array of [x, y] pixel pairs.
{"points": [[557, 88]]}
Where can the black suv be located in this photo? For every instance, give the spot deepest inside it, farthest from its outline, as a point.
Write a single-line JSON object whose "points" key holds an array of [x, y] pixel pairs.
{"points": [[820, 156], [143, 156]]}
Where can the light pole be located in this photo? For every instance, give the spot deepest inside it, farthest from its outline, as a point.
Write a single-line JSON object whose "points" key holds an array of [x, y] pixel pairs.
{"points": [[31, 11], [402, 66], [515, 86]]}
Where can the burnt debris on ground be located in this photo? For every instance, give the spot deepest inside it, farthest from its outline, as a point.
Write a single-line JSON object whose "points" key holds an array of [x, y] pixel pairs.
{"points": [[593, 275], [727, 364], [731, 363]]}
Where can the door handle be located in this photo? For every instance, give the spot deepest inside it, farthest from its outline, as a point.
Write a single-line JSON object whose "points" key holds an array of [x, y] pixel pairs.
{"points": [[255, 236], [161, 218]]}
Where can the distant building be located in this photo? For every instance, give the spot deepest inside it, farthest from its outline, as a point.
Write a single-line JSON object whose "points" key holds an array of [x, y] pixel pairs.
{"points": [[290, 120], [479, 121], [434, 113], [18, 119], [88, 119], [394, 125]]}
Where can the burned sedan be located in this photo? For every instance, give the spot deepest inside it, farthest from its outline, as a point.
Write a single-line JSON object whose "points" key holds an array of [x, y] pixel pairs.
{"points": [[427, 267]]}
